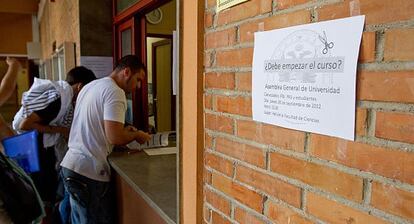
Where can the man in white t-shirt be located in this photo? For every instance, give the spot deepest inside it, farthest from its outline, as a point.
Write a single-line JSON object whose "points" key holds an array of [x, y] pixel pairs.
{"points": [[98, 124]]}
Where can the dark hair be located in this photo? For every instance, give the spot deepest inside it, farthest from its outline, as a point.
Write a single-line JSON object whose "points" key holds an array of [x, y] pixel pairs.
{"points": [[130, 61], [80, 74]]}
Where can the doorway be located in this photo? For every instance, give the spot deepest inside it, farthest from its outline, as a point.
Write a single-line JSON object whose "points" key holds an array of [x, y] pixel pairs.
{"points": [[146, 28], [161, 97]]}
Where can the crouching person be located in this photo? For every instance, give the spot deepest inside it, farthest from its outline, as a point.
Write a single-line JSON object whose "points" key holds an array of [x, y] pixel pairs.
{"points": [[48, 108]]}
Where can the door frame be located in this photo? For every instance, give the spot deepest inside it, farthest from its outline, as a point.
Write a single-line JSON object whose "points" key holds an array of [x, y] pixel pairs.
{"points": [[191, 32]]}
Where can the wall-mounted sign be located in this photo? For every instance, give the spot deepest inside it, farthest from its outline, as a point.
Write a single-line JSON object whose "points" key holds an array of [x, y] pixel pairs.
{"points": [[304, 76], [224, 4], [101, 66]]}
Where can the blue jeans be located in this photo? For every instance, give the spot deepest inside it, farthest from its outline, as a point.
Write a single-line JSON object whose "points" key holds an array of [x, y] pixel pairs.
{"points": [[91, 201]]}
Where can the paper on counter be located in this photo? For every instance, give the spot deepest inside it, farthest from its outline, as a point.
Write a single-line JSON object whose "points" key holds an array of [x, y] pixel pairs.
{"points": [[161, 151], [157, 140]]}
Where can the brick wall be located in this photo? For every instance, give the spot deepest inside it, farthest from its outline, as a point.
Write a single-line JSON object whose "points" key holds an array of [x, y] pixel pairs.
{"points": [[259, 173], [60, 23]]}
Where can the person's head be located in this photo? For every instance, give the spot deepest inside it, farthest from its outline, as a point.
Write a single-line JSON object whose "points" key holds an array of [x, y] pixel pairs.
{"points": [[78, 77], [129, 71]]}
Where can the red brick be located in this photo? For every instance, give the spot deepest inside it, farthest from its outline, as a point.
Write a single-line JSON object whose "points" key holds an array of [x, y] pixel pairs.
{"points": [[245, 10], [284, 138], [393, 200], [386, 86], [386, 11], [249, 130], [269, 134], [247, 30], [284, 4], [335, 11], [220, 80], [208, 102], [238, 192], [281, 214], [208, 19], [222, 165], [222, 38], [235, 58], [244, 81], [398, 44], [208, 141], [218, 219], [334, 212], [376, 11], [217, 202], [395, 126], [286, 20], [270, 185], [235, 105], [367, 52], [361, 121], [385, 162], [326, 178], [244, 217], [218, 123], [242, 152]]}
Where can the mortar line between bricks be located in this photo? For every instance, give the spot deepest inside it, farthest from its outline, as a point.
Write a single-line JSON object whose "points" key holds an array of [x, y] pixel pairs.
{"points": [[386, 106], [379, 46], [371, 122], [390, 26], [387, 66], [303, 201], [236, 46], [367, 191], [227, 92], [228, 69]]}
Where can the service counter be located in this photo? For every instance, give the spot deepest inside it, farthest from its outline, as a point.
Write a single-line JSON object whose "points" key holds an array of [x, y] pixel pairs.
{"points": [[146, 187]]}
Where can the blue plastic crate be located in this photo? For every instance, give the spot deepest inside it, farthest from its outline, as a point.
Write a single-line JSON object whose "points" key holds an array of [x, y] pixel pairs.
{"points": [[23, 149]]}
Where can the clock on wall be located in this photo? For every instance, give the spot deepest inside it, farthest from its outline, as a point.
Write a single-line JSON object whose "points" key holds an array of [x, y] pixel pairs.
{"points": [[155, 16]]}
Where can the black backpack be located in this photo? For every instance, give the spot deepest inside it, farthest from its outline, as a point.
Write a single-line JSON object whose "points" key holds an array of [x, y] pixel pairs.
{"points": [[18, 193]]}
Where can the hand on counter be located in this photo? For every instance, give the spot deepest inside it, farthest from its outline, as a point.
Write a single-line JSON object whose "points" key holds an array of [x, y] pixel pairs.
{"points": [[142, 137]]}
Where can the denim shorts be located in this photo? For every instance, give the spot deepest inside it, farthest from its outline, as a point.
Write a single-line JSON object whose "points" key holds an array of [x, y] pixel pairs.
{"points": [[91, 201]]}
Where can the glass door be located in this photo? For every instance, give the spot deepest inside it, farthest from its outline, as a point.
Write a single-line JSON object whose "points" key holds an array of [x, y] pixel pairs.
{"points": [[126, 39], [128, 42]]}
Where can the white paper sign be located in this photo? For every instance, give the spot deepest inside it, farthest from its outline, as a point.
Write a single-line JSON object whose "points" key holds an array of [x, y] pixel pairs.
{"points": [[101, 66], [304, 76]]}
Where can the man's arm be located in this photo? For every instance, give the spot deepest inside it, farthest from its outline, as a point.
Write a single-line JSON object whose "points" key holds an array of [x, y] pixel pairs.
{"points": [[33, 121], [9, 81], [117, 134]]}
